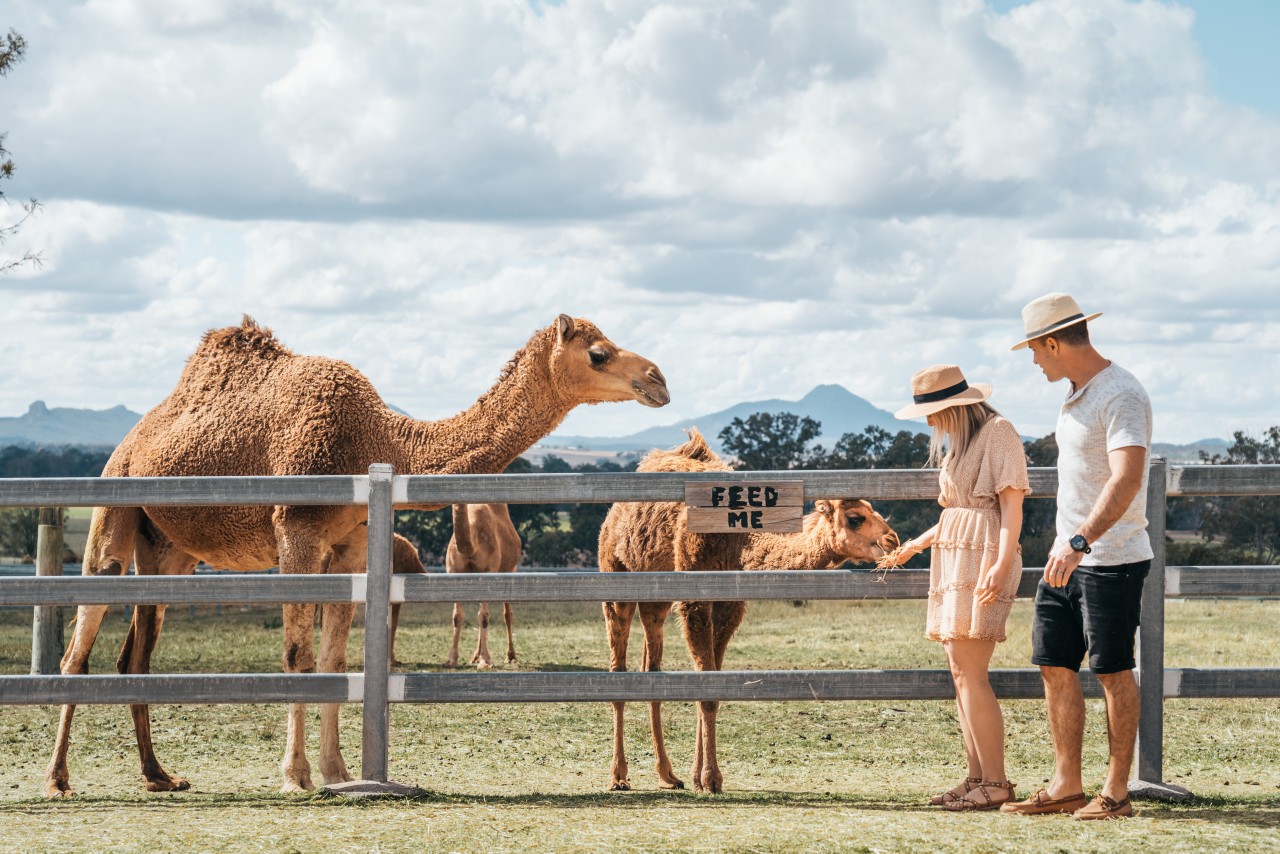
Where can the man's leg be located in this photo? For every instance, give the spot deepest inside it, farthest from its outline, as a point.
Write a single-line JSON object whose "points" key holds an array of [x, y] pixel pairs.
{"points": [[1121, 692], [1065, 702]]}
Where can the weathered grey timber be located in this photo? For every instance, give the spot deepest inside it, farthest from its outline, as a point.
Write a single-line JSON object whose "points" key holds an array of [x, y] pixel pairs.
{"points": [[1150, 656], [1224, 480], [46, 624], [181, 491], [377, 626], [186, 688], [1188, 582], [626, 686], [171, 590]]}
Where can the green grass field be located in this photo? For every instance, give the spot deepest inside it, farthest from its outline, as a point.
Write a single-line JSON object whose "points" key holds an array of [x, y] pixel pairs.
{"points": [[811, 776]]}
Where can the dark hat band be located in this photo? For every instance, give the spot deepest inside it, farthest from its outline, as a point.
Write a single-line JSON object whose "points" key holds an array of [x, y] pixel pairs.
{"points": [[1066, 321], [943, 394]]}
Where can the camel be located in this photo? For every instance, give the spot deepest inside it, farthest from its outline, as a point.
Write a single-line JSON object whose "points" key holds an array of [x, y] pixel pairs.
{"points": [[653, 537], [247, 405], [484, 540]]}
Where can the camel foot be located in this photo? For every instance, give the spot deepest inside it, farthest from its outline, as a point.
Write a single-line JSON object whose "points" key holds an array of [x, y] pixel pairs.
{"points": [[451, 662], [167, 783], [511, 658], [483, 665], [673, 783], [337, 775], [711, 784], [619, 786], [297, 780], [58, 789], [395, 662]]}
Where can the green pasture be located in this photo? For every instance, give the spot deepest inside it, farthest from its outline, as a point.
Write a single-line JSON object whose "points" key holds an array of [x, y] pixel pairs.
{"points": [[798, 776]]}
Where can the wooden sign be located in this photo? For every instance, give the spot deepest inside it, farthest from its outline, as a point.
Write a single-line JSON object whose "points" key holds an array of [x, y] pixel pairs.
{"points": [[743, 508]]}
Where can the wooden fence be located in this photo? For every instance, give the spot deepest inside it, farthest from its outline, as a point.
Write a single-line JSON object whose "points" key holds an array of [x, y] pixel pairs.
{"points": [[375, 687]]}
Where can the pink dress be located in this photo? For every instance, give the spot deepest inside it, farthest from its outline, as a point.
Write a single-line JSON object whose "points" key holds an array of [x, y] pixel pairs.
{"points": [[968, 538]]}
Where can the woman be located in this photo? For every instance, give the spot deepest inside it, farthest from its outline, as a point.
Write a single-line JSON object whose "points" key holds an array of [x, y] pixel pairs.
{"points": [[976, 562]]}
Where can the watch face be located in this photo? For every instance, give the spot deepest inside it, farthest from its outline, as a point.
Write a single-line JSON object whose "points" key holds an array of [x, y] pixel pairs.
{"points": [[1079, 543]]}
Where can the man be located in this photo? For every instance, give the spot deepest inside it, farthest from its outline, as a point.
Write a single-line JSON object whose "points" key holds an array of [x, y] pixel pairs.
{"points": [[1090, 597]]}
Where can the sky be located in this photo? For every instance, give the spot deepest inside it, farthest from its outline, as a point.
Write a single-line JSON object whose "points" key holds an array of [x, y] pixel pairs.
{"points": [[758, 196]]}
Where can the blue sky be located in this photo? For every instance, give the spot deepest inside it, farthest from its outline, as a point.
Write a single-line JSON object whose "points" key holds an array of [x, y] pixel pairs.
{"points": [[760, 197]]}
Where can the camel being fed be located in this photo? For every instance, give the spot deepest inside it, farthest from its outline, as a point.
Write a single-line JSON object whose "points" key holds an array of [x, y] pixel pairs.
{"points": [[246, 405], [653, 537]]}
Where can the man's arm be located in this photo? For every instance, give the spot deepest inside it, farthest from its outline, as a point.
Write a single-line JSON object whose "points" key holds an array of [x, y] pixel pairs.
{"points": [[1127, 466]]}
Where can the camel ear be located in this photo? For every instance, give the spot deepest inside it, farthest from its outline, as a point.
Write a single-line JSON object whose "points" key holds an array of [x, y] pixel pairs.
{"points": [[564, 328], [824, 507]]}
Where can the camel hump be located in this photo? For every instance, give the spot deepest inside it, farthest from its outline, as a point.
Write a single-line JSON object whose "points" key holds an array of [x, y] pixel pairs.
{"points": [[693, 455], [247, 337]]}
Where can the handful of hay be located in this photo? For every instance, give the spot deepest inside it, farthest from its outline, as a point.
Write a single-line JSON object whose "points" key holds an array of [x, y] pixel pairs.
{"points": [[889, 560]]}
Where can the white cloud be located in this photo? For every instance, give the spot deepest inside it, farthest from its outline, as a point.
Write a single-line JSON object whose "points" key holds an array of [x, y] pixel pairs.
{"points": [[758, 196]]}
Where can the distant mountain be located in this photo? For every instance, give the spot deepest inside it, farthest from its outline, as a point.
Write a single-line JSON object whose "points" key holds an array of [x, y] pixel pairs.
{"points": [[839, 411], [42, 426], [1190, 453]]}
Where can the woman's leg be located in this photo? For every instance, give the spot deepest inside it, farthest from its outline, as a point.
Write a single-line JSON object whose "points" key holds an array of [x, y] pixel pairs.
{"points": [[971, 753], [982, 716]]}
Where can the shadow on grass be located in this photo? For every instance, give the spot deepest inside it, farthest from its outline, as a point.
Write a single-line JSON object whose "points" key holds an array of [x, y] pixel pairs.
{"points": [[1260, 812]]}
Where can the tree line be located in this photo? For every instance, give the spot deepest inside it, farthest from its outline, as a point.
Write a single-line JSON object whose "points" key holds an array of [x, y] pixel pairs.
{"points": [[1232, 530]]}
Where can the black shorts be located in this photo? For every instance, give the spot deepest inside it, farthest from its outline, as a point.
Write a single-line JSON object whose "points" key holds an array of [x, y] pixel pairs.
{"points": [[1096, 612]]}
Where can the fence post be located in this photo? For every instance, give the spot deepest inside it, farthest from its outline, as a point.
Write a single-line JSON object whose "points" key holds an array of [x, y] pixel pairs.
{"points": [[377, 626], [1149, 780], [46, 627]]}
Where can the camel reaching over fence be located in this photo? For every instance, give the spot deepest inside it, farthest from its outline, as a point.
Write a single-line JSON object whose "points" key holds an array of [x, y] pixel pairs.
{"points": [[653, 537], [246, 405], [484, 540]]}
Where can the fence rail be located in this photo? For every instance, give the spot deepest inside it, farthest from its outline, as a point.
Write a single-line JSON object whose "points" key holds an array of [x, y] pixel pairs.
{"points": [[375, 688]]}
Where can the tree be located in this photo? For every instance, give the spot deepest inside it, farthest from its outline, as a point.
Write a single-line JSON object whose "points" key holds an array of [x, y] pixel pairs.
{"points": [[12, 49], [19, 529], [1245, 524], [769, 442]]}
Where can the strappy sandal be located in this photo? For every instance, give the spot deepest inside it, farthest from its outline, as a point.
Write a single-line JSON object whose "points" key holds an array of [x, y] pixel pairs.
{"points": [[969, 784], [966, 805]]}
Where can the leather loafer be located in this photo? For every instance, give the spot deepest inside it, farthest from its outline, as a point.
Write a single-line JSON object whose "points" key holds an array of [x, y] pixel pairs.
{"points": [[1041, 804], [1103, 807]]}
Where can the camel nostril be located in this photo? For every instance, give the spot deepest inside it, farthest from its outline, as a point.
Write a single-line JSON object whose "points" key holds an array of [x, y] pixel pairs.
{"points": [[656, 376]]}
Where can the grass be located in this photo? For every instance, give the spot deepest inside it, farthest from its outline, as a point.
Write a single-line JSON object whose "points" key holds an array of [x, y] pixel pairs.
{"points": [[817, 776]]}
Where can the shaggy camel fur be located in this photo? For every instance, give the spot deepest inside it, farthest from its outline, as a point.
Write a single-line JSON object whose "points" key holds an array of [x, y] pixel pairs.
{"points": [[652, 537], [484, 540], [246, 405]]}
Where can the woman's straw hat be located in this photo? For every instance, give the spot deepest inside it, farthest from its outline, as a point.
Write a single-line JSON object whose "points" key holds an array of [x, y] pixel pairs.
{"points": [[1049, 314], [938, 387]]}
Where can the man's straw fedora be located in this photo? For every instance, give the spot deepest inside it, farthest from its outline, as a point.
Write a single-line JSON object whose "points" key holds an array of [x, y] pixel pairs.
{"points": [[1049, 314], [938, 387]]}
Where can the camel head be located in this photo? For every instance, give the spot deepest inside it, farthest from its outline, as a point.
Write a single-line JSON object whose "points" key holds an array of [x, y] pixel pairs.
{"points": [[589, 368], [860, 533]]}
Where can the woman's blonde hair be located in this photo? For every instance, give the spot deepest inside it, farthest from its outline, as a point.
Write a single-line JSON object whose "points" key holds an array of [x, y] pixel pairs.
{"points": [[954, 430]]}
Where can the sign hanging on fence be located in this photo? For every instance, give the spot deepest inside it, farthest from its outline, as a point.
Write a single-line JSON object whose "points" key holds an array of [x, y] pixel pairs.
{"points": [[741, 508]]}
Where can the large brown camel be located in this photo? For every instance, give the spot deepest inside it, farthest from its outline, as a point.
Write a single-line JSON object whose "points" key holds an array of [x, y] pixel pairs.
{"points": [[653, 537], [484, 540], [246, 405]]}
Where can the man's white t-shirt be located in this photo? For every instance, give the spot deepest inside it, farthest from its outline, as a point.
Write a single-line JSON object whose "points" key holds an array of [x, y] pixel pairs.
{"points": [[1110, 411]]}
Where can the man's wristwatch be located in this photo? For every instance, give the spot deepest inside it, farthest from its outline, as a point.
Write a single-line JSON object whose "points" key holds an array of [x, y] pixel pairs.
{"points": [[1079, 543]]}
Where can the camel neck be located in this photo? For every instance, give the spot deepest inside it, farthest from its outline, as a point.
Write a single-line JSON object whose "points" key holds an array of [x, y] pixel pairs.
{"points": [[522, 407], [805, 550]]}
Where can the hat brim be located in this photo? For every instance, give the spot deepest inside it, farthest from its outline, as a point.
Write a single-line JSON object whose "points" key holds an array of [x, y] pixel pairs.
{"points": [[975, 393], [1025, 341]]}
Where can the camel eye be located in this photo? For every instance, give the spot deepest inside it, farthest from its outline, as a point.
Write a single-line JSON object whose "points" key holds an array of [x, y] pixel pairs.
{"points": [[598, 356], [855, 522]]}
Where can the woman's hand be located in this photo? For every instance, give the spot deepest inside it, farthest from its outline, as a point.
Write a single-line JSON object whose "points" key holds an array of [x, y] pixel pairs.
{"points": [[991, 582], [900, 555]]}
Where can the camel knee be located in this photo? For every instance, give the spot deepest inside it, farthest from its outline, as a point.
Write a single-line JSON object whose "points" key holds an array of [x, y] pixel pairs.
{"points": [[299, 658]]}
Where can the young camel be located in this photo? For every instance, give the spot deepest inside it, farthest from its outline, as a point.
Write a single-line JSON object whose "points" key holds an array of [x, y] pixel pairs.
{"points": [[404, 561], [652, 537], [246, 405], [484, 540]]}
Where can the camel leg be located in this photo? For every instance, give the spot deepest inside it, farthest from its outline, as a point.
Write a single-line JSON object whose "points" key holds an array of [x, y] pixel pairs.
{"points": [[153, 555], [481, 657], [108, 552], [508, 617], [392, 661], [653, 617], [617, 618], [459, 619], [335, 627], [699, 635], [297, 533]]}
